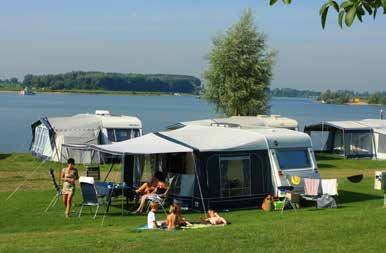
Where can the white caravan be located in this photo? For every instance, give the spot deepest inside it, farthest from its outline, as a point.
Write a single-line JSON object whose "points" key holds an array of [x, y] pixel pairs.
{"points": [[275, 121]]}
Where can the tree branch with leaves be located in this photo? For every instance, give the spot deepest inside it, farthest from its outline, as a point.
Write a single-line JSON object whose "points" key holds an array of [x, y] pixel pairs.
{"points": [[347, 11]]}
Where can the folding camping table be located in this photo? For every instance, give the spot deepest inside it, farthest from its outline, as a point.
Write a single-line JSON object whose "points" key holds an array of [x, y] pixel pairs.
{"points": [[286, 190], [109, 190]]}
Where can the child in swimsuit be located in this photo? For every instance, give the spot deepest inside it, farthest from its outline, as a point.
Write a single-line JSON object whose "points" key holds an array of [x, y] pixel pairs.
{"points": [[214, 218]]}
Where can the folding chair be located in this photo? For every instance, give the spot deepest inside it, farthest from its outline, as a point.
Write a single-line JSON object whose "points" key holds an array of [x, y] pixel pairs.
{"points": [[93, 171], [58, 190], [90, 196], [161, 199], [287, 190], [157, 199]]}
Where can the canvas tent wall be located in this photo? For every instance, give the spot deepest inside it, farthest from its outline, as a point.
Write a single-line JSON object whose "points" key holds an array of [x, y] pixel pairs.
{"points": [[48, 134], [274, 121], [349, 138], [221, 168], [379, 134]]}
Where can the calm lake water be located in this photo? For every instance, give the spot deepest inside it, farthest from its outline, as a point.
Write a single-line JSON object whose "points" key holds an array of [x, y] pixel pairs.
{"points": [[17, 113]]}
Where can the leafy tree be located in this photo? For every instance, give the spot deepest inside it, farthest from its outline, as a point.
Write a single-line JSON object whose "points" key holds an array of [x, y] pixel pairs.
{"points": [[336, 97], [347, 10], [240, 70], [375, 98], [383, 100]]}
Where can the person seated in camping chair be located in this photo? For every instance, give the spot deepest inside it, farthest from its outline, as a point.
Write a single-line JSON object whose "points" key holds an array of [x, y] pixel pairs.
{"points": [[144, 190], [214, 218], [162, 186], [158, 187], [69, 175]]}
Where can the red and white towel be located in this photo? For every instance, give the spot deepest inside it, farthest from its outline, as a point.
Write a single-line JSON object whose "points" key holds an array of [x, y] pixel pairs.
{"points": [[311, 186]]}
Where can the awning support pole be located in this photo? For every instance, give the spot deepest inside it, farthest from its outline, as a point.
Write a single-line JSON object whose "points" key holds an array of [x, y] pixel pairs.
{"points": [[108, 173], [199, 184], [123, 184]]}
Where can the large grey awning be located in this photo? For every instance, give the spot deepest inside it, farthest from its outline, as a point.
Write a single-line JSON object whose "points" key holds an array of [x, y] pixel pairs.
{"points": [[146, 144]]}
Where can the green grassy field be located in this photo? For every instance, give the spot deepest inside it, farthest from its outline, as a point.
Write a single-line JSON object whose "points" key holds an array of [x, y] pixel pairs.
{"points": [[358, 225]]}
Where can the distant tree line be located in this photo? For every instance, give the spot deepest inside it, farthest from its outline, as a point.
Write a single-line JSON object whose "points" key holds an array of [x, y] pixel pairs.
{"points": [[114, 82], [10, 81], [378, 98], [332, 97], [289, 92], [345, 96], [336, 97]]}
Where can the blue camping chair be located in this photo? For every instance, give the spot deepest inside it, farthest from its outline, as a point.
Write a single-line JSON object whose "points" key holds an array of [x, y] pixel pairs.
{"points": [[90, 196]]}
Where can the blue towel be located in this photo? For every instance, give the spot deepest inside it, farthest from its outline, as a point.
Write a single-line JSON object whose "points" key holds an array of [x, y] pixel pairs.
{"points": [[143, 227]]}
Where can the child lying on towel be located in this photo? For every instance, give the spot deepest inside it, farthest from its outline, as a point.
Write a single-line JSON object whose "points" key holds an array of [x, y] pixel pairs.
{"points": [[214, 218]]}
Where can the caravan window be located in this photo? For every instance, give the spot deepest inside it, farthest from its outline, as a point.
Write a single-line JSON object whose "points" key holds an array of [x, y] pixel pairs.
{"points": [[111, 134], [120, 134], [293, 159], [235, 175]]}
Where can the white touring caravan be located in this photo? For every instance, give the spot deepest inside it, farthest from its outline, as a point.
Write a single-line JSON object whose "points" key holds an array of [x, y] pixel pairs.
{"points": [[48, 134], [275, 121], [291, 154]]}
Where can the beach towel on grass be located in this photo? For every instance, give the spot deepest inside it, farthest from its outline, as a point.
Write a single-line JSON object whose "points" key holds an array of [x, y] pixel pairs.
{"points": [[197, 226], [193, 226], [311, 186], [330, 186]]}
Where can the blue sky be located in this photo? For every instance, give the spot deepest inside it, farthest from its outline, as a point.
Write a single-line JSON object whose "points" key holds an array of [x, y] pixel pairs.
{"points": [[174, 36]]}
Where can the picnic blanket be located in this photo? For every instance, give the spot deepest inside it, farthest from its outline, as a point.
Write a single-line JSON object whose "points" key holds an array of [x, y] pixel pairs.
{"points": [[197, 226], [192, 226]]}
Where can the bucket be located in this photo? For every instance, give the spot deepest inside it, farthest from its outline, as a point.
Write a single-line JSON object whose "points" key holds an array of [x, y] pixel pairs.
{"points": [[278, 204]]}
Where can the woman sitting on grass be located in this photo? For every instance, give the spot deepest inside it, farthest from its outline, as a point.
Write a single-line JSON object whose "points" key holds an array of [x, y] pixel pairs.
{"points": [[69, 175], [214, 218]]}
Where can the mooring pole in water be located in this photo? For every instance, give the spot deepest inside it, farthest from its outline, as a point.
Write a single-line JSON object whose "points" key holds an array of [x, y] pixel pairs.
{"points": [[381, 114]]}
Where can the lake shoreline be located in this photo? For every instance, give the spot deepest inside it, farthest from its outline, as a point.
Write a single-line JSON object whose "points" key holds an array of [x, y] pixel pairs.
{"points": [[105, 92]]}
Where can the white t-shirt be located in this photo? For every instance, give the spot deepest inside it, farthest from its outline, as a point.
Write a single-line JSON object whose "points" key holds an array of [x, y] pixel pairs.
{"points": [[150, 220]]}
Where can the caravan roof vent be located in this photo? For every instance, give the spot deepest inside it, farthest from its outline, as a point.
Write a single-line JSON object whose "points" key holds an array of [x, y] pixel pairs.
{"points": [[102, 112], [225, 124]]}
